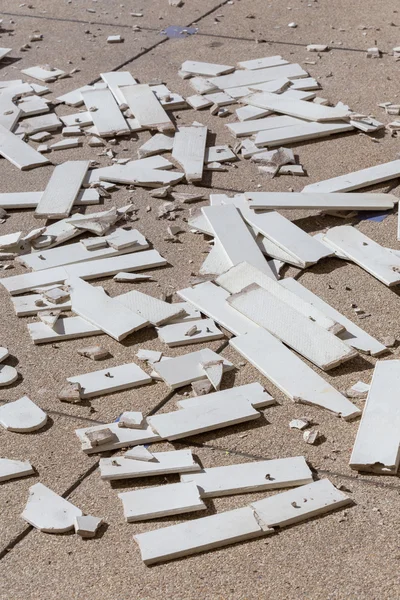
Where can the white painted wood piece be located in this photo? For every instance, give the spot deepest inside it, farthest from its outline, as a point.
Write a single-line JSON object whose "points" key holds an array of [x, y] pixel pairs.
{"points": [[182, 370], [198, 102], [300, 109], [299, 133], [4, 52], [290, 374], [243, 275], [205, 68], [22, 416], [175, 334], [42, 73], [140, 453], [105, 112], [67, 143], [263, 63], [18, 152], [353, 335], [161, 501], [247, 113], [116, 79], [189, 150], [207, 416], [298, 95], [66, 328], [124, 437], [111, 380], [102, 267], [199, 535], [82, 119], [380, 262], [136, 175], [173, 461], [9, 111], [307, 83], [150, 309], [300, 503], [31, 125], [377, 445], [211, 301], [191, 313], [247, 77], [144, 104], [269, 200], [157, 143], [62, 190], [33, 105], [47, 511], [214, 371], [26, 306], [16, 200], [74, 97], [12, 469], [4, 353], [251, 477], [246, 128], [219, 153], [216, 262], [235, 238], [108, 314], [252, 392], [296, 330], [8, 375], [358, 179]]}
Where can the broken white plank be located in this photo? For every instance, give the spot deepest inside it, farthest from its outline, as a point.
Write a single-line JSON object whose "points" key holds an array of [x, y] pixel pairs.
{"points": [[243, 275], [269, 200], [4, 52], [135, 175], [62, 190], [176, 334], [290, 374], [357, 179], [198, 102], [22, 416], [26, 306], [150, 163], [32, 125], [252, 392], [105, 112], [150, 309], [207, 416], [245, 128], [47, 511], [111, 380], [124, 437], [211, 301], [144, 104], [235, 238], [191, 313], [18, 152], [103, 267], [276, 86], [108, 314], [298, 95], [174, 461], [300, 109], [65, 144], [161, 501], [33, 105], [300, 503], [74, 97], [263, 63], [202, 85], [380, 262], [296, 330], [12, 469], [199, 535], [158, 143], [251, 477], [247, 113], [81, 119], [182, 370], [299, 133], [308, 83], [43, 73], [67, 328], [9, 111], [247, 77], [116, 79], [219, 153], [205, 68], [16, 200], [216, 262], [189, 150], [377, 445], [353, 335]]}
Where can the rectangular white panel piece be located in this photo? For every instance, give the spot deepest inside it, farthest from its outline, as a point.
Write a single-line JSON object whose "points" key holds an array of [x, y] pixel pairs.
{"points": [[219, 153], [115, 79], [235, 238], [81, 119], [174, 461], [358, 179], [146, 107], [301, 109], [124, 437], [136, 175], [211, 301], [4, 52], [251, 477], [247, 113], [290, 374], [161, 501], [105, 112], [189, 149], [66, 328], [175, 334], [246, 128], [203, 68], [269, 200], [252, 392], [153, 310], [353, 335], [62, 190], [296, 330], [199, 535], [182, 370], [26, 306], [377, 445], [243, 275], [300, 503], [49, 122], [307, 83], [258, 76], [103, 267], [380, 262], [18, 152], [263, 63], [191, 313], [207, 416], [95, 306], [114, 379], [299, 133]]}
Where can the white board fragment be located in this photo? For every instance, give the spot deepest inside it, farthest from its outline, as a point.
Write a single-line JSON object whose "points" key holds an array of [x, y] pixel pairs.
{"points": [[12, 469], [299, 133], [16, 200], [358, 179], [32, 304], [66, 328], [116, 79], [123, 437], [247, 77], [246, 128], [47, 511], [301, 109], [150, 309], [173, 461], [111, 380], [269, 200], [146, 107], [22, 416], [62, 190], [252, 392], [105, 112], [189, 149], [205, 68], [176, 334], [18, 152]]}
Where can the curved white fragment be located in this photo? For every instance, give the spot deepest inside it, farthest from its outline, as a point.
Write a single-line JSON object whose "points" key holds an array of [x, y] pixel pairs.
{"points": [[4, 353], [22, 416], [7, 375], [49, 512]]}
